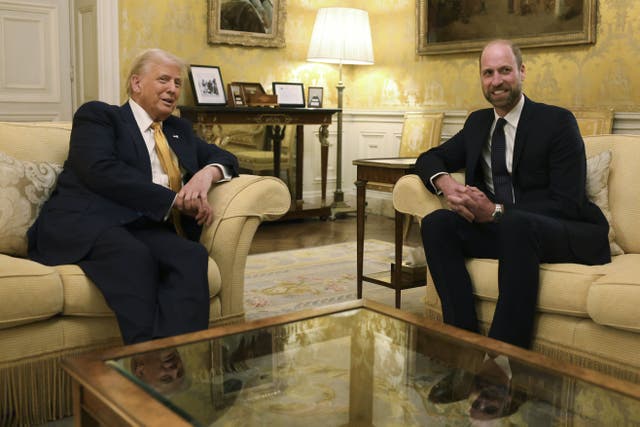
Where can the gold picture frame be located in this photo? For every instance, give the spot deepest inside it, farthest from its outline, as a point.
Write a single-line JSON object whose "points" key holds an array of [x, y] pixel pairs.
{"points": [[465, 26], [239, 22]]}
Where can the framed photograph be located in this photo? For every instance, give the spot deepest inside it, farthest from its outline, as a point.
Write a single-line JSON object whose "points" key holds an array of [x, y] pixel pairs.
{"points": [[236, 95], [247, 22], [314, 97], [466, 26], [289, 94], [206, 82]]}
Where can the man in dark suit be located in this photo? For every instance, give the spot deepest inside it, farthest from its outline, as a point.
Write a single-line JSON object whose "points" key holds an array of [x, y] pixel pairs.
{"points": [[130, 214], [523, 202]]}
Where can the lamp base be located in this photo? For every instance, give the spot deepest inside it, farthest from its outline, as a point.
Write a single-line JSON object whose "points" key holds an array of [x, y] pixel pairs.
{"points": [[339, 206], [341, 211]]}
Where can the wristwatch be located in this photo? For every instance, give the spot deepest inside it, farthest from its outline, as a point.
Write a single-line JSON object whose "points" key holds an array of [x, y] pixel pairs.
{"points": [[497, 212]]}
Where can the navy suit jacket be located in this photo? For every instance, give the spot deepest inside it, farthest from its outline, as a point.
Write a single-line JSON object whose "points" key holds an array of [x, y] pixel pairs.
{"points": [[106, 181], [548, 173]]}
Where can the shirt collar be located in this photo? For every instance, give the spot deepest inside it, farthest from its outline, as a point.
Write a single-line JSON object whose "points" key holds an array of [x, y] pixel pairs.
{"points": [[143, 119], [513, 116]]}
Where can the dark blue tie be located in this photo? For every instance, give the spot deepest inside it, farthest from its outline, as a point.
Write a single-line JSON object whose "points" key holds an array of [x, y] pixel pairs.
{"points": [[501, 177]]}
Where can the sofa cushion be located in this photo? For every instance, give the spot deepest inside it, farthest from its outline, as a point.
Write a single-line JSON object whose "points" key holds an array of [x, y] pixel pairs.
{"points": [[37, 141], [24, 187], [598, 191], [563, 287], [614, 298], [624, 204], [29, 292], [83, 298]]}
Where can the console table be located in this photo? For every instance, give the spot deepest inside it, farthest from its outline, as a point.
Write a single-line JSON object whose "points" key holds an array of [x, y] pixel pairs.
{"points": [[204, 118], [386, 171]]}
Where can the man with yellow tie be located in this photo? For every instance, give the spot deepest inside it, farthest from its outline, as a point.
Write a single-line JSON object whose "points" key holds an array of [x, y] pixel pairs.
{"points": [[130, 203]]}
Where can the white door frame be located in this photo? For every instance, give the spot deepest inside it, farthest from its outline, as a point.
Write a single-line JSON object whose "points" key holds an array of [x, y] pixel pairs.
{"points": [[108, 51]]}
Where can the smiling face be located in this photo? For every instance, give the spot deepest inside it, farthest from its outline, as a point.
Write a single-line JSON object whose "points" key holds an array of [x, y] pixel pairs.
{"points": [[163, 370], [501, 77], [156, 88]]}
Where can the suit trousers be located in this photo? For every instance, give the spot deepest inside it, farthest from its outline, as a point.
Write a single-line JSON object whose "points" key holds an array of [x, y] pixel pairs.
{"points": [[520, 242], [154, 280]]}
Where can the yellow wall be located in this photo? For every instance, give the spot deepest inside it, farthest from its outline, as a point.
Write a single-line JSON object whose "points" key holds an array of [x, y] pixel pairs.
{"points": [[604, 74]]}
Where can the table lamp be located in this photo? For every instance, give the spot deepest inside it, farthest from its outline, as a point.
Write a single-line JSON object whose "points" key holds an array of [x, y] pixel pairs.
{"points": [[341, 36]]}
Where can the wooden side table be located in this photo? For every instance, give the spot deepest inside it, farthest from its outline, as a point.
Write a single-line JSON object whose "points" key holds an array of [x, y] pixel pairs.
{"points": [[204, 118], [386, 171]]}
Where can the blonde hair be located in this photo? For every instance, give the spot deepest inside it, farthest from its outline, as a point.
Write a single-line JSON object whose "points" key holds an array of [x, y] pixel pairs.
{"points": [[152, 56]]}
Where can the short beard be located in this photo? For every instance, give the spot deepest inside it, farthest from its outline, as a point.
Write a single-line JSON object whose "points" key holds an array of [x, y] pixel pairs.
{"points": [[509, 102]]}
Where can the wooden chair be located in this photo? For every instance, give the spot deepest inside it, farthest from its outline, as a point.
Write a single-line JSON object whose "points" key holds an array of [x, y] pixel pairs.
{"points": [[250, 145], [594, 121], [420, 131]]}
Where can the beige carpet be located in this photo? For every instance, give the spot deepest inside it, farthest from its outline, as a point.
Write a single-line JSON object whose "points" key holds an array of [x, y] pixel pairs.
{"points": [[289, 281]]}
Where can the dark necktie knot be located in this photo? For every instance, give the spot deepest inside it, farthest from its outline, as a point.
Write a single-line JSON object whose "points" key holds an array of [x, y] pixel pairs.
{"points": [[501, 178]]}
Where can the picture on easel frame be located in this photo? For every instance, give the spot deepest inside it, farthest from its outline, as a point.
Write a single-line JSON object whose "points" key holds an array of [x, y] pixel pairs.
{"points": [[236, 95], [314, 98], [289, 94], [207, 86]]}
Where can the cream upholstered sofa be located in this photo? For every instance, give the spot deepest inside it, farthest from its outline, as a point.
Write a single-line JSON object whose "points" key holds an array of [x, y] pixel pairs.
{"points": [[587, 315], [47, 313]]}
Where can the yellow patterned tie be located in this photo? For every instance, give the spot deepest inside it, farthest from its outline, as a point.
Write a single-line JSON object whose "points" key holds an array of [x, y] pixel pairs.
{"points": [[170, 165]]}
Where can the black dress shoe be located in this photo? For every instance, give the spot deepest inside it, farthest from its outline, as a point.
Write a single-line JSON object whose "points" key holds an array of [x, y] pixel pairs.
{"points": [[454, 387], [493, 396], [496, 402]]}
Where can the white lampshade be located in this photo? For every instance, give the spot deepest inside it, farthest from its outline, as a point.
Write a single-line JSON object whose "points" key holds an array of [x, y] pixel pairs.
{"points": [[341, 36]]}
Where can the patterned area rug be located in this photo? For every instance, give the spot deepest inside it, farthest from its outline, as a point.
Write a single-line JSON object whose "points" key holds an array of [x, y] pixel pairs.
{"points": [[289, 281]]}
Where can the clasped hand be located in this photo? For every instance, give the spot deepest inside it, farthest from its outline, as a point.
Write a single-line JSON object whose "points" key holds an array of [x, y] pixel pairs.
{"points": [[192, 198], [467, 201]]}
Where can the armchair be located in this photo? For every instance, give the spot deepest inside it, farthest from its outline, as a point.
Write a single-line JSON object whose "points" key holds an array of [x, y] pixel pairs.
{"points": [[47, 313], [249, 144], [586, 315]]}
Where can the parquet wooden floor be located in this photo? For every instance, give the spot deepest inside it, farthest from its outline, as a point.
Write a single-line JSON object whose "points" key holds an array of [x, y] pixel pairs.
{"points": [[304, 233]]}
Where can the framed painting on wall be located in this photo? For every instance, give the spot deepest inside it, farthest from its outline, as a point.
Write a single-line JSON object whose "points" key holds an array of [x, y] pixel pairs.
{"points": [[247, 22], [454, 26]]}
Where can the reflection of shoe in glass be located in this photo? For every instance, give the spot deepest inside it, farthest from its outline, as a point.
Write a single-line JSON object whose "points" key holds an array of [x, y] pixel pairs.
{"points": [[496, 402], [492, 395], [231, 385], [454, 387]]}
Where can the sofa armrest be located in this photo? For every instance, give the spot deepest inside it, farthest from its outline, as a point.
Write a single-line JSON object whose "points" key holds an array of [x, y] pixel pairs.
{"points": [[411, 197], [239, 206]]}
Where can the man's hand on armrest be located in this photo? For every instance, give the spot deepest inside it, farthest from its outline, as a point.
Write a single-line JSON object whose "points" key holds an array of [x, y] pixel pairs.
{"points": [[192, 198]]}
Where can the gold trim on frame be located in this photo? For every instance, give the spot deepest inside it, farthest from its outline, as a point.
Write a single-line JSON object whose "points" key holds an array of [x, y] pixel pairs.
{"points": [[216, 35], [586, 35]]}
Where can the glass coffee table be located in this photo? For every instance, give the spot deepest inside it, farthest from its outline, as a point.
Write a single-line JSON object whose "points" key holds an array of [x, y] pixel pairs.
{"points": [[352, 364]]}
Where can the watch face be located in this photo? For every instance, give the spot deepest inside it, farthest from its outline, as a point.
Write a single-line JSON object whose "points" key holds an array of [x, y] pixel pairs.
{"points": [[497, 213]]}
